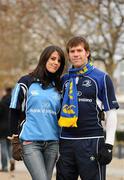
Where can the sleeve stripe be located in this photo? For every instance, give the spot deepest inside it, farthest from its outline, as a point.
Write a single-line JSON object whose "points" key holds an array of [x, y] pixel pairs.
{"points": [[15, 96], [24, 88], [106, 94]]}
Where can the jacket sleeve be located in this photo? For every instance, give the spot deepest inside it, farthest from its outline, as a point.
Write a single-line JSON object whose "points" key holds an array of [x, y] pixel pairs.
{"points": [[14, 121], [17, 107], [108, 94], [1, 109]]}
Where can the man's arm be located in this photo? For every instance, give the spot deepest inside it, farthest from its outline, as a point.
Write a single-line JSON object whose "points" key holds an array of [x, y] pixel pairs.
{"points": [[105, 153], [111, 125]]}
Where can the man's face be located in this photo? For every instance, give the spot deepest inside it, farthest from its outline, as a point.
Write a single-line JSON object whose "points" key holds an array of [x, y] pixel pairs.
{"points": [[78, 56]]}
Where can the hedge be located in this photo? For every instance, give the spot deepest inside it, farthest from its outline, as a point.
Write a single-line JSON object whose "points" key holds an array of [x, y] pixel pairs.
{"points": [[120, 135]]}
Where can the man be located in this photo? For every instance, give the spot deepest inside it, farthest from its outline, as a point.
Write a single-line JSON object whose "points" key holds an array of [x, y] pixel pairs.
{"points": [[6, 148], [84, 151]]}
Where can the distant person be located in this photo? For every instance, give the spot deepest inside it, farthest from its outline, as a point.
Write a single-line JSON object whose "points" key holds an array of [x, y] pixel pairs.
{"points": [[6, 147], [37, 96], [87, 91]]}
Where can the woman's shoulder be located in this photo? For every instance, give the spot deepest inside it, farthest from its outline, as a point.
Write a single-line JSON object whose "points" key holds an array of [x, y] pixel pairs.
{"points": [[26, 80]]}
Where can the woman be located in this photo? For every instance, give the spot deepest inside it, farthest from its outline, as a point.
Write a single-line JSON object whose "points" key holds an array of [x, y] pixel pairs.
{"points": [[37, 95]]}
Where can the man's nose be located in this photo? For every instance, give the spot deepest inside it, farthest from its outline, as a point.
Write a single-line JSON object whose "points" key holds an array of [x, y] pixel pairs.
{"points": [[76, 53]]}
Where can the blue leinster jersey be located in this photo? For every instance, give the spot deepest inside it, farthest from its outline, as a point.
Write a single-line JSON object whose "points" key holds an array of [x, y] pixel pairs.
{"points": [[95, 91], [41, 107]]}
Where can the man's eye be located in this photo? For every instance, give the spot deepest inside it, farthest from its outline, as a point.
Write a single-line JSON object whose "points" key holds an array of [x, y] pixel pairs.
{"points": [[80, 50], [71, 51]]}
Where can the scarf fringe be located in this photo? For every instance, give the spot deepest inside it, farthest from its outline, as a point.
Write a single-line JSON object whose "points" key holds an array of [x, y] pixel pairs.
{"points": [[67, 121]]}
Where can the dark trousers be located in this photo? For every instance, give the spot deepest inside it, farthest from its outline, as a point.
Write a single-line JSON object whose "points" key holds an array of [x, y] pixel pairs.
{"points": [[78, 158]]}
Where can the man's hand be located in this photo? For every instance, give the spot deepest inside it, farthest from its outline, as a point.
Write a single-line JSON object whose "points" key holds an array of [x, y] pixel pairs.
{"points": [[105, 154]]}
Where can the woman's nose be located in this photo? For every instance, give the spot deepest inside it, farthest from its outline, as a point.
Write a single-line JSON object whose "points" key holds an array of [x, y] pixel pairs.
{"points": [[56, 61]]}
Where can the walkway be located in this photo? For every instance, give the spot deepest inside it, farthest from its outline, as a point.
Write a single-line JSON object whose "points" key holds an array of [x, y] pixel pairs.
{"points": [[115, 171]]}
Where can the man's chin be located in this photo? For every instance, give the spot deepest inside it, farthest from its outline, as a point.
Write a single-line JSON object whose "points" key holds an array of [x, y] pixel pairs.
{"points": [[78, 65]]}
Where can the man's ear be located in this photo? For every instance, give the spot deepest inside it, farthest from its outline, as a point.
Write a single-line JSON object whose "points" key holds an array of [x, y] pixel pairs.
{"points": [[88, 53], [68, 57]]}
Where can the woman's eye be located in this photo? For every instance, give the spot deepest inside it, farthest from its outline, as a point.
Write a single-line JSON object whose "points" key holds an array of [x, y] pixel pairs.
{"points": [[53, 59]]}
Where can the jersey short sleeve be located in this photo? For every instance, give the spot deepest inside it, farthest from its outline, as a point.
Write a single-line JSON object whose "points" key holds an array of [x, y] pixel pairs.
{"points": [[108, 94], [19, 94]]}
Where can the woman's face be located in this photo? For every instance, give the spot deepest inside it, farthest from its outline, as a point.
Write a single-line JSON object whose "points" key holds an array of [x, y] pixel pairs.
{"points": [[53, 63]]}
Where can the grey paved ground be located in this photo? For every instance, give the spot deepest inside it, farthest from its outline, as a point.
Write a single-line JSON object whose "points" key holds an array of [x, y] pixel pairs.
{"points": [[115, 171]]}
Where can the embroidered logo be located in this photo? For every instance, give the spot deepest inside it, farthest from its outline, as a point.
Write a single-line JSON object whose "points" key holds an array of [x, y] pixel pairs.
{"points": [[86, 83], [114, 102], [92, 158], [34, 93], [66, 84], [79, 93], [68, 109]]}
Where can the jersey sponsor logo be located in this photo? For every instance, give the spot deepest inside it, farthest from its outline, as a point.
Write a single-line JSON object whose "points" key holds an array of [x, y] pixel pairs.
{"points": [[84, 100], [43, 111], [86, 83]]}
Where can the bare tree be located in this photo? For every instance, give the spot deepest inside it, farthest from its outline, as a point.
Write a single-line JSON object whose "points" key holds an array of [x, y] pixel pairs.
{"points": [[95, 20], [108, 38], [16, 19], [26, 27]]}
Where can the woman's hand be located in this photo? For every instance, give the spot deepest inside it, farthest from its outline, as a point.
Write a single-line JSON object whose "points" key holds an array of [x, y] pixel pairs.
{"points": [[12, 137]]}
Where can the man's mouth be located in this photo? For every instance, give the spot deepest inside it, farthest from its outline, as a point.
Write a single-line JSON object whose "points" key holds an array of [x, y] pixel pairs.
{"points": [[76, 60]]}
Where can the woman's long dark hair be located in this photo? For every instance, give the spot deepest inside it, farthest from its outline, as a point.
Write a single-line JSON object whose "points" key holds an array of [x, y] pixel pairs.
{"points": [[41, 72]]}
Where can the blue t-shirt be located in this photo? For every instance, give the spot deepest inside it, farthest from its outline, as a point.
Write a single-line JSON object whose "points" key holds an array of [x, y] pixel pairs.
{"points": [[95, 91], [41, 108]]}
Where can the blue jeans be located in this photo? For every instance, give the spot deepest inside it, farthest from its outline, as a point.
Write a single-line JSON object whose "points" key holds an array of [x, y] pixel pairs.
{"points": [[40, 157], [4, 155], [9, 148]]}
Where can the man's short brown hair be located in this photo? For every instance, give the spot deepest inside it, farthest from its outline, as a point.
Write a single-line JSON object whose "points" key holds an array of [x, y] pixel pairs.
{"points": [[77, 40]]}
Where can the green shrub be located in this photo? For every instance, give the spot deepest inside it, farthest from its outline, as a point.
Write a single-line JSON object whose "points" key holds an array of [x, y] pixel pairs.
{"points": [[119, 135]]}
